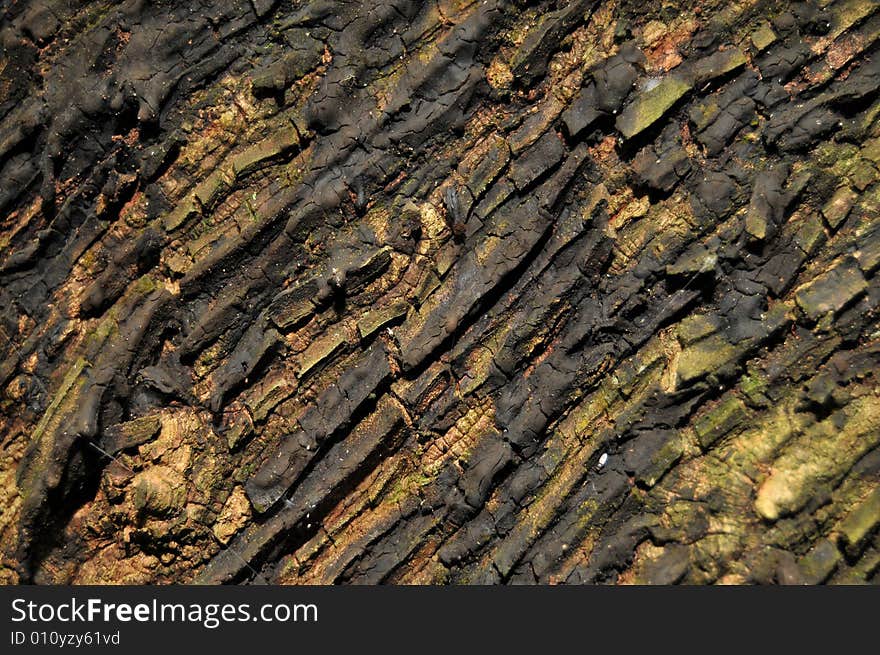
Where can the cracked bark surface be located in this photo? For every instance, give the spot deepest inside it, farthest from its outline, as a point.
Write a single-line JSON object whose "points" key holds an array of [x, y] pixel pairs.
{"points": [[440, 292]]}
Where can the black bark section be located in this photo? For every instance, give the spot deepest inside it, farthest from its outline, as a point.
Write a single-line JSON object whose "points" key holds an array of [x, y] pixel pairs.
{"points": [[479, 292]]}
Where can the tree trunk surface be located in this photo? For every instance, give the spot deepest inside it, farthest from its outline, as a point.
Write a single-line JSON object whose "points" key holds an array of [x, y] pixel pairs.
{"points": [[313, 291]]}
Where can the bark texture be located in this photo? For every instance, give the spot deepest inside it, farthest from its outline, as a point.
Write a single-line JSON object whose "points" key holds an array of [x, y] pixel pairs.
{"points": [[312, 291]]}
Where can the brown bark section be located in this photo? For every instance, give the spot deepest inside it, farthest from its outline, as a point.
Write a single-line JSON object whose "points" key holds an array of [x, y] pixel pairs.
{"points": [[448, 292]]}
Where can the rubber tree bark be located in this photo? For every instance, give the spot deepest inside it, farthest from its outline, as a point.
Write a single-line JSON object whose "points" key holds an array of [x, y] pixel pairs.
{"points": [[440, 292]]}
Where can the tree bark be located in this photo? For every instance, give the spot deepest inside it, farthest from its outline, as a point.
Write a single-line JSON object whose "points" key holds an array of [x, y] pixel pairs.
{"points": [[440, 292]]}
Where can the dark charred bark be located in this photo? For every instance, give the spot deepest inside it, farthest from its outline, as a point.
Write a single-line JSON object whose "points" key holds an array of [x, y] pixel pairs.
{"points": [[423, 292]]}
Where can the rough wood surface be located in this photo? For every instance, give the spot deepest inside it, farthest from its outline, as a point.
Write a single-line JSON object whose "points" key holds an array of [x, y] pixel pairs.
{"points": [[439, 292]]}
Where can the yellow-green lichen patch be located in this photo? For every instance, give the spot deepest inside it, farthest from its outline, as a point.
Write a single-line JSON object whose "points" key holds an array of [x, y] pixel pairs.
{"points": [[373, 321], [720, 420], [763, 37], [831, 291], [860, 523], [847, 13], [279, 144], [693, 328], [838, 206], [651, 106], [717, 64], [705, 357], [808, 232], [185, 210], [62, 405], [662, 460], [819, 458]]}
